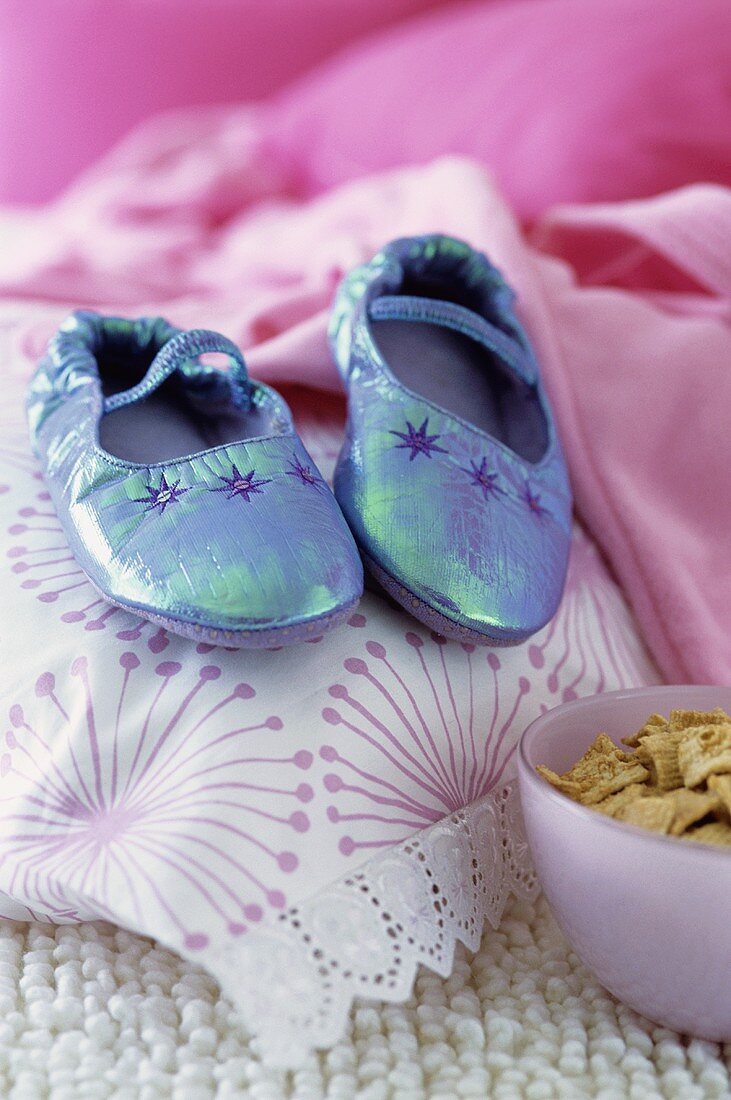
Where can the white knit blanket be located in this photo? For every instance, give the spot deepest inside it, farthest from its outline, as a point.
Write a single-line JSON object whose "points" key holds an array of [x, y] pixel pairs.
{"points": [[87, 1011]]}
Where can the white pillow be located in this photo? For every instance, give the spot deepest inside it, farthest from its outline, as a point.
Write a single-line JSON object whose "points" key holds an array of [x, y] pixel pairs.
{"points": [[207, 796]]}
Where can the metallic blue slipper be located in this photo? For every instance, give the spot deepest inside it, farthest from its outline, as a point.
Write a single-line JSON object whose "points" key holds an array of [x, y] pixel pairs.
{"points": [[451, 476], [186, 494]]}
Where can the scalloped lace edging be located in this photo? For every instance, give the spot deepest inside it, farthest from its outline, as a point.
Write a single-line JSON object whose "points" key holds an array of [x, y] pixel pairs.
{"points": [[365, 935]]}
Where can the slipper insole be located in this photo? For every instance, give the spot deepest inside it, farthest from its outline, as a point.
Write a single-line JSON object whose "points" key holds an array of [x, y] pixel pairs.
{"points": [[465, 378], [164, 426]]}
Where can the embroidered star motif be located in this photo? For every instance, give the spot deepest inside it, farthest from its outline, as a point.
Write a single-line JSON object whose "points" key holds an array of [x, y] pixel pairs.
{"points": [[240, 485], [533, 500], [482, 478], [304, 473], [418, 442], [161, 497]]}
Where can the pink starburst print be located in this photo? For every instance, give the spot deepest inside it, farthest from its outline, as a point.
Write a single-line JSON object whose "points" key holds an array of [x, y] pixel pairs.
{"points": [[162, 496], [434, 748], [45, 566], [592, 644], [14, 450], [417, 441], [169, 804], [423, 726], [241, 485]]}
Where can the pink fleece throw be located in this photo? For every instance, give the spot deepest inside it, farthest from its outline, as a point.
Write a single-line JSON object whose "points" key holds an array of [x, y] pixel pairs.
{"points": [[641, 372], [241, 219], [630, 316]]}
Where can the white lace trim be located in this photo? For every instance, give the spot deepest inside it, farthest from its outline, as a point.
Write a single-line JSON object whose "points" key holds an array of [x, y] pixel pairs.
{"points": [[366, 934]]}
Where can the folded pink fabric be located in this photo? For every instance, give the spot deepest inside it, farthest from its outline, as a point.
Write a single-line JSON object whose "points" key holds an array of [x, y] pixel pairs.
{"points": [[630, 315], [208, 216], [641, 371]]}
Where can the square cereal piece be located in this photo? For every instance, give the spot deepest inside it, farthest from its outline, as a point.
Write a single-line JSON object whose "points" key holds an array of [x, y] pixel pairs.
{"points": [[704, 750], [659, 753], [715, 832], [601, 771], [721, 785], [654, 724], [566, 786], [687, 719], [653, 812], [604, 769], [612, 805], [690, 807]]}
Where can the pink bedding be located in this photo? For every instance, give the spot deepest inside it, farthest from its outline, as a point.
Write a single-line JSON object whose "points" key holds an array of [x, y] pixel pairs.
{"points": [[77, 74], [564, 100], [226, 218]]}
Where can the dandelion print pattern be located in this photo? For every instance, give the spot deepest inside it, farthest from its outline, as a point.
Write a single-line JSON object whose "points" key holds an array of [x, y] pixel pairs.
{"points": [[42, 562], [414, 738], [431, 767], [15, 453], [592, 645], [150, 796]]}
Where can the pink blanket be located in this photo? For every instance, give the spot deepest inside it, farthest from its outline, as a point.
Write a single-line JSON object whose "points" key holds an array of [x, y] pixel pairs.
{"points": [[209, 218]]}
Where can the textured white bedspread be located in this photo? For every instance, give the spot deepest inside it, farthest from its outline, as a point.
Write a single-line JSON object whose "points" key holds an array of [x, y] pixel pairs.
{"points": [[88, 1011]]}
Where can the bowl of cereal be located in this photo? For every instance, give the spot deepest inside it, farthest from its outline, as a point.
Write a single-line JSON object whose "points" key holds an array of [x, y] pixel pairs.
{"points": [[627, 804]]}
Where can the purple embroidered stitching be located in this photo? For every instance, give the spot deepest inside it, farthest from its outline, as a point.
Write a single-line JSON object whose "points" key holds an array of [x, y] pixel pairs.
{"points": [[240, 485], [418, 442], [162, 496]]}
